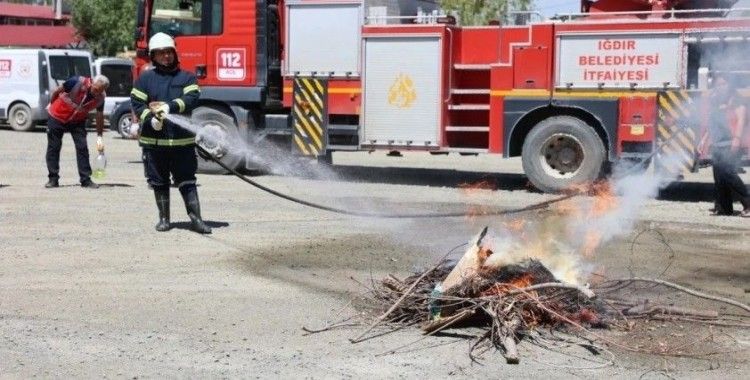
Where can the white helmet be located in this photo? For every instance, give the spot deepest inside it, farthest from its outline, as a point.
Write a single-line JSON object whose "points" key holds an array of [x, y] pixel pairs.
{"points": [[160, 41]]}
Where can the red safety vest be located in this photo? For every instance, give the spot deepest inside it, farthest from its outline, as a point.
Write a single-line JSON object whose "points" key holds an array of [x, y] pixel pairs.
{"points": [[69, 106]]}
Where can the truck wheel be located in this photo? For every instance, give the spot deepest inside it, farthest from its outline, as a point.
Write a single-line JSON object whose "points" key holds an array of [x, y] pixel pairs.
{"points": [[218, 134], [19, 118], [560, 152]]}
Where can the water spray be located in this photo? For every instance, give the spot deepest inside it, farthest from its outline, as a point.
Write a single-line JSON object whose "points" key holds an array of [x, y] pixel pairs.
{"points": [[213, 144]]}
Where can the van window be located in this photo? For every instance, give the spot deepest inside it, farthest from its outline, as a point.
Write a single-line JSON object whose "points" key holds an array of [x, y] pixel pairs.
{"points": [[62, 67], [120, 79]]}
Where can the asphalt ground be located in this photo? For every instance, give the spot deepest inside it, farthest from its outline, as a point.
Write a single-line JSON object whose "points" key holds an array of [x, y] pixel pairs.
{"points": [[89, 289]]}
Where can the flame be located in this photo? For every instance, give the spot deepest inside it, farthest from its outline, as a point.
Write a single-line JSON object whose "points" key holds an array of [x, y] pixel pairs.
{"points": [[605, 199], [483, 254], [591, 243], [473, 187], [568, 207], [474, 211], [519, 282], [517, 227], [580, 188], [554, 255]]}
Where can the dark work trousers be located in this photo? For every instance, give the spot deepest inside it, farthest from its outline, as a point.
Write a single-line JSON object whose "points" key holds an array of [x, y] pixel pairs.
{"points": [[727, 183], [55, 132], [180, 161]]}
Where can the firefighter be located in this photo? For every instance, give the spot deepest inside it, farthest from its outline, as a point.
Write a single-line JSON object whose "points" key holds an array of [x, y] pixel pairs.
{"points": [[168, 148], [727, 120], [68, 111]]}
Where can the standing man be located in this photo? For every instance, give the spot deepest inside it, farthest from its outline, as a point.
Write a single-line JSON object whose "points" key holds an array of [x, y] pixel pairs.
{"points": [[727, 119], [69, 107], [167, 148]]}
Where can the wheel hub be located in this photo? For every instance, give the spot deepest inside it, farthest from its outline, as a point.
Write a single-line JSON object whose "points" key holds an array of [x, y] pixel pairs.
{"points": [[561, 155], [125, 124], [21, 117]]}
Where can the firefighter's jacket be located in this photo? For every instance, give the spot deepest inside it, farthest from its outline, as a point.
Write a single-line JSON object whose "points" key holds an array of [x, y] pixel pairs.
{"points": [[72, 105], [179, 89]]}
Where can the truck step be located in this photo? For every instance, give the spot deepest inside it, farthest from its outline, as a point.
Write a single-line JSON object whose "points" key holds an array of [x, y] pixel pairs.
{"points": [[471, 66], [466, 151], [470, 91], [343, 147], [466, 128], [469, 107], [343, 128]]}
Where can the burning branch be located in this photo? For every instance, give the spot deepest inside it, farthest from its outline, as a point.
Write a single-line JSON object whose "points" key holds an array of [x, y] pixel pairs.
{"points": [[509, 299]]}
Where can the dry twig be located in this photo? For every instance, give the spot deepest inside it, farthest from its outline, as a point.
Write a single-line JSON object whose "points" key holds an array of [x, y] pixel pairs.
{"points": [[688, 291]]}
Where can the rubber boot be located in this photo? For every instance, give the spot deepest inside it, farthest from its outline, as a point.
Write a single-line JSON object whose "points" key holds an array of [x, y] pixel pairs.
{"points": [[193, 207], [162, 203]]}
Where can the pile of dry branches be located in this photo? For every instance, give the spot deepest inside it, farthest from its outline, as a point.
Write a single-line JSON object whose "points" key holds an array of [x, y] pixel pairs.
{"points": [[510, 302]]}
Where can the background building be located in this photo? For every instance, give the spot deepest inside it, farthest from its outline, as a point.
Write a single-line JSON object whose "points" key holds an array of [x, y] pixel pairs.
{"points": [[37, 24]]}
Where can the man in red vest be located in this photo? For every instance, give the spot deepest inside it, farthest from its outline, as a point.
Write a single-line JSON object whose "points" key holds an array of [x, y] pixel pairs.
{"points": [[69, 107], [727, 121]]}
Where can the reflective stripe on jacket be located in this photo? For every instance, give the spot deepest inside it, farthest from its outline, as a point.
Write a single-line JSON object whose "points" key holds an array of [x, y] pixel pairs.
{"points": [[166, 142]]}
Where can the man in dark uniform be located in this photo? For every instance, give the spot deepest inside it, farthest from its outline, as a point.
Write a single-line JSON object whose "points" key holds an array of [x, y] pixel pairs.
{"points": [[726, 123], [168, 148], [69, 108]]}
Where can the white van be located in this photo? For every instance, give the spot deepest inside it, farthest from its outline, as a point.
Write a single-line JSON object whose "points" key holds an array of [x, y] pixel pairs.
{"points": [[119, 71], [28, 77]]}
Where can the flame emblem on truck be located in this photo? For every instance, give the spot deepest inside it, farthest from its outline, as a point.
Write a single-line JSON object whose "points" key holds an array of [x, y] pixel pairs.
{"points": [[402, 93]]}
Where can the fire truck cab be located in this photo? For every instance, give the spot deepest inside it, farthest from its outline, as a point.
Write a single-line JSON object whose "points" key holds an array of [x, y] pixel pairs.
{"points": [[620, 81]]}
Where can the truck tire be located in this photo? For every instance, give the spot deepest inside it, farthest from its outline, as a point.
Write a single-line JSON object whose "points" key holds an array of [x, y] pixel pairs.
{"points": [[560, 152], [218, 134], [19, 118]]}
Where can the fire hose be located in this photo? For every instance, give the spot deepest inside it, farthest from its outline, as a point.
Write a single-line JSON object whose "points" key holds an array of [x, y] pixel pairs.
{"points": [[536, 206]]}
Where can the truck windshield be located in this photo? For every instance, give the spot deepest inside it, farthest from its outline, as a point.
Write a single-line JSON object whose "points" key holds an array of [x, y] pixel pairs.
{"points": [[120, 79], [176, 18], [62, 67], [186, 17]]}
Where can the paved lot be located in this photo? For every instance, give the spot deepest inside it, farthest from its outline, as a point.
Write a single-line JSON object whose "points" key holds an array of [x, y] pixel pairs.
{"points": [[89, 289]]}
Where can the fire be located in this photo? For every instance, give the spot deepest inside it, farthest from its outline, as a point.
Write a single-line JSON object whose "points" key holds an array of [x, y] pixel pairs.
{"points": [[483, 254], [604, 202], [473, 187], [605, 199], [568, 207], [522, 281], [474, 212], [591, 243], [516, 226]]}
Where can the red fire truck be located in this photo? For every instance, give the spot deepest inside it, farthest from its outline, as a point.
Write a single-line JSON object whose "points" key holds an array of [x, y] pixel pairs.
{"points": [[571, 95]]}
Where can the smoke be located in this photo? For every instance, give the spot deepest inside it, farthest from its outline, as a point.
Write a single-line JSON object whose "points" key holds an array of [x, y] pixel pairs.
{"points": [[263, 154], [567, 239]]}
